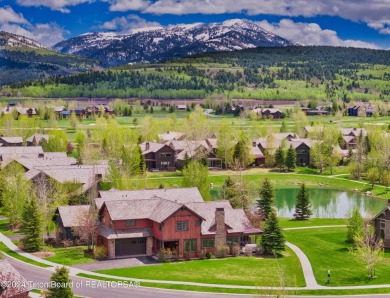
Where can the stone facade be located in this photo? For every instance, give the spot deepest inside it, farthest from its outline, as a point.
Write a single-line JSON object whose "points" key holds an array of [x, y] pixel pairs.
{"points": [[111, 249], [220, 228], [149, 246]]}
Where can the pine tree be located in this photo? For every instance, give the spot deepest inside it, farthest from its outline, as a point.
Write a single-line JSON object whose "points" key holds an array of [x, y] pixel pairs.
{"points": [[283, 128], [142, 162], [60, 284], [266, 201], [272, 238], [302, 207], [280, 158], [291, 158], [31, 227]]}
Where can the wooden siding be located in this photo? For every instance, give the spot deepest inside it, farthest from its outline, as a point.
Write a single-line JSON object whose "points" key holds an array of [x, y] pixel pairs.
{"points": [[139, 224]]}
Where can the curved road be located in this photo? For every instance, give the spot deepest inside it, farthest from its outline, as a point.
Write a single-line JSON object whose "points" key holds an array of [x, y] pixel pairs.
{"points": [[90, 288]]}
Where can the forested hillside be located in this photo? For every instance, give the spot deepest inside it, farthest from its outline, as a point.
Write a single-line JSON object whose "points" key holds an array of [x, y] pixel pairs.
{"points": [[287, 73]]}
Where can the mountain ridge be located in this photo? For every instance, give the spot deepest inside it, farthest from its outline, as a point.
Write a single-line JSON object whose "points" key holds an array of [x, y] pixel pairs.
{"points": [[156, 44]]}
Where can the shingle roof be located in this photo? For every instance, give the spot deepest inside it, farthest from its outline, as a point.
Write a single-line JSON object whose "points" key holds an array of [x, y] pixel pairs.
{"points": [[108, 233], [38, 137], [70, 214], [187, 147], [153, 147], [21, 150], [355, 131], [30, 163], [17, 284], [12, 140], [178, 195], [170, 135]]}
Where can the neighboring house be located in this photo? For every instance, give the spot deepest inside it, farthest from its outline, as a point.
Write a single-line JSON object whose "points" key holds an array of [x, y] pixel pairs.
{"points": [[67, 218], [317, 112], [355, 132], [9, 153], [107, 110], [20, 110], [29, 163], [35, 139], [85, 178], [158, 156], [11, 141], [12, 283], [361, 110], [138, 223], [259, 158], [80, 112], [65, 114], [381, 223], [187, 149], [272, 113], [170, 135], [181, 107]]}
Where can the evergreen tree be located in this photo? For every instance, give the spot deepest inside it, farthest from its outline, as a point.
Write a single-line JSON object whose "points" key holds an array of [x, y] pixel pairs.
{"points": [[60, 284], [355, 225], [242, 154], [283, 128], [291, 158], [302, 207], [142, 162], [266, 201], [280, 158], [272, 238], [236, 191], [31, 227]]}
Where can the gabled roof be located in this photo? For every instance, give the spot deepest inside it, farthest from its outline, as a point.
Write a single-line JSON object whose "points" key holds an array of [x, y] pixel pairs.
{"points": [[187, 147], [21, 150], [109, 233], [170, 135], [30, 163], [153, 147], [353, 131], [70, 214], [178, 195], [386, 209], [12, 140], [15, 282], [38, 137]]}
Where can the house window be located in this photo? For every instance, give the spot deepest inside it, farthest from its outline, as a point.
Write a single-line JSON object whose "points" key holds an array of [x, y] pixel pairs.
{"points": [[232, 240], [207, 243], [190, 245], [198, 222], [182, 226], [165, 164], [165, 154], [130, 223], [383, 225]]}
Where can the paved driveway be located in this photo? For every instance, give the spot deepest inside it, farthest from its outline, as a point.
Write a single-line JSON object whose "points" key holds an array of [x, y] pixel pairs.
{"points": [[118, 263]]}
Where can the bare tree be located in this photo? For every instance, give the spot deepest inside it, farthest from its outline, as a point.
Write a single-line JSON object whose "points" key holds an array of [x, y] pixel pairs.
{"points": [[369, 249], [88, 224]]}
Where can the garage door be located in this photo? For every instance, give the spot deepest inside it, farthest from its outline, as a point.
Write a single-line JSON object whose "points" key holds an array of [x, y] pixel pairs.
{"points": [[128, 247]]}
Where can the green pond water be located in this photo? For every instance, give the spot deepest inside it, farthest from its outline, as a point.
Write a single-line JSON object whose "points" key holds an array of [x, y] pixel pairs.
{"points": [[327, 203]]}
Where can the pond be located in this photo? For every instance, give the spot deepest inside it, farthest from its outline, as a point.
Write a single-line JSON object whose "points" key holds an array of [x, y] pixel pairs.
{"points": [[328, 203]]}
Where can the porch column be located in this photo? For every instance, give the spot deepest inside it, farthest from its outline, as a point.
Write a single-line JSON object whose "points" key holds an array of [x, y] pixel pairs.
{"points": [[149, 246], [111, 249]]}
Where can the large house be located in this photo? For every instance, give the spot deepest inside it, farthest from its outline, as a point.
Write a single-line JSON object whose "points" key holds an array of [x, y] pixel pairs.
{"points": [[36, 138], [143, 222], [11, 141], [185, 150], [381, 223], [67, 218], [158, 156]]}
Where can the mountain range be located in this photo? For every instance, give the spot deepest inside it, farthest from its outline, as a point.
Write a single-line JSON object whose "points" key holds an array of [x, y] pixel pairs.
{"points": [[156, 44]]}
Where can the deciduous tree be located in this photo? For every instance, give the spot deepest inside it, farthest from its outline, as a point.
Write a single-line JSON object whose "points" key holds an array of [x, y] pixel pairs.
{"points": [[195, 175]]}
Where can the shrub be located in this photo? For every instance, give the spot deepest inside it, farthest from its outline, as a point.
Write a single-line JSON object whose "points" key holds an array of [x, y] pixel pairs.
{"points": [[164, 254], [209, 255], [100, 252], [222, 251], [236, 250], [201, 254], [67, 243]]}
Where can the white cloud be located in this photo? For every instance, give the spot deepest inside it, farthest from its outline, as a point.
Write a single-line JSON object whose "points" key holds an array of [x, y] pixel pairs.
{"points": [[8, 15], [60, 5], [311, 34], [126, 5], [126, 24]]}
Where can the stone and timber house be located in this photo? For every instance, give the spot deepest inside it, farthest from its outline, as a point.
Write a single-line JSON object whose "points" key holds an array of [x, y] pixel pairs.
{"points": [[381, 223]]}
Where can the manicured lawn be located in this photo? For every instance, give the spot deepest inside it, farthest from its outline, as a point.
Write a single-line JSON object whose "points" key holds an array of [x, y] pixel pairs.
{"points": [[251, 271], [326, 250], [291, 223], [20, 257], [70, 256], [5, 230]]}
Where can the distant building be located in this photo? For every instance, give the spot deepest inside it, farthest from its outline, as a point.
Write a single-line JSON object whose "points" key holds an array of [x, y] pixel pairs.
{"points": [[36, 138], [158, 156], [381, 223], [11, 141]]}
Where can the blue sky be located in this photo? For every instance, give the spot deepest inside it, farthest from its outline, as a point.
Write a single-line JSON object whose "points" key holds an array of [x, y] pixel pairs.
{"points": [[359, 23]]}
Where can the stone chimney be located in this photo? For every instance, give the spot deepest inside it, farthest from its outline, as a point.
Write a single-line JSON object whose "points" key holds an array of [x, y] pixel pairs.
{"points": [[254, 144], [220, 230], [147, 146]]}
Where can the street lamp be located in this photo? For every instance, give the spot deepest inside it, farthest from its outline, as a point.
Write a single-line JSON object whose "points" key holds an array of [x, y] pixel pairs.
{"points": [[328, 281]]}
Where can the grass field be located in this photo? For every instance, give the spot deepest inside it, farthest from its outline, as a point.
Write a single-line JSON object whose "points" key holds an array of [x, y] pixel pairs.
{"points": [[70, 256], [253, 271], [312, 222], [327, 250]]}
